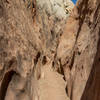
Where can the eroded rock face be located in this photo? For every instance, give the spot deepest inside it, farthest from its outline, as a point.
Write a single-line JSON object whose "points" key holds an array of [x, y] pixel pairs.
{"points": [[29, 31], [49, 51], [16, 58], [77, 51]]}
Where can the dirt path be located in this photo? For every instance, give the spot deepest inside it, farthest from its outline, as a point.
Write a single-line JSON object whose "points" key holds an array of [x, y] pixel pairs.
{"points": [[51, 85]]}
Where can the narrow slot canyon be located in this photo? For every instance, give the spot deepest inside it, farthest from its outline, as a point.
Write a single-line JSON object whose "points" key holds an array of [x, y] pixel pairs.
{"points": [[53, 46]]}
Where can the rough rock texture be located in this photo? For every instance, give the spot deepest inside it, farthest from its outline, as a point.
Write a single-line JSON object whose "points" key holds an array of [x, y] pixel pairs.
{"points": [[29, 31], [78, 51], [49, 51]]}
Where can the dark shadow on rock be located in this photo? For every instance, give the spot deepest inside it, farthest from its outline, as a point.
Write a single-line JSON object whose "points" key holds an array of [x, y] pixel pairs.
{"points": [[92, 89]]}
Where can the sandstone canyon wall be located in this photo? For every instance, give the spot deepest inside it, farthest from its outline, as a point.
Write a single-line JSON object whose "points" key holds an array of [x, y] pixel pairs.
{"points": [[49, 50]]}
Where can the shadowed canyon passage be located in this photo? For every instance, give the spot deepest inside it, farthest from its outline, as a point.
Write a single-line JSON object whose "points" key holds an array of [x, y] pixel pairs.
{"points": [[49, 50]]}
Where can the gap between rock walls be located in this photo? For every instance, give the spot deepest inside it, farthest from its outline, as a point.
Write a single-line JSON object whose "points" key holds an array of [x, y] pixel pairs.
{"points": [[53, 46]]}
